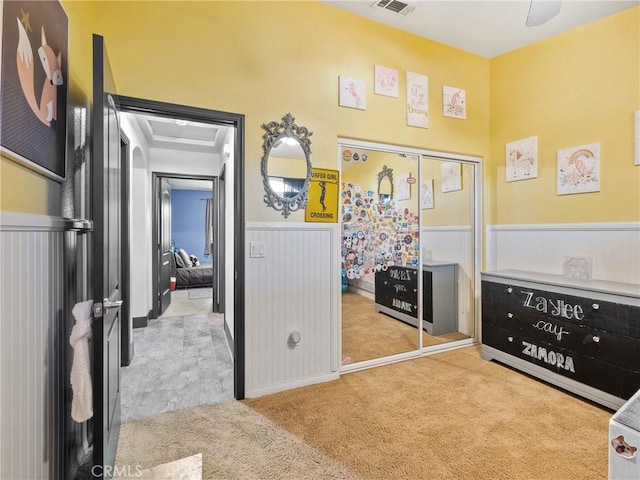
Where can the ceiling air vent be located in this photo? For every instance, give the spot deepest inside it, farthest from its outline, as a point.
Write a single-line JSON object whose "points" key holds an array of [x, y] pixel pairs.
{"points": [[394, 6]]}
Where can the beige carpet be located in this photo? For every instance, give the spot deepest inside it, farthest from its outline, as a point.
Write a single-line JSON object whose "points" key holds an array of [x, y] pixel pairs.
{"points": [[235, 442], [367, 334], [447, 416]]}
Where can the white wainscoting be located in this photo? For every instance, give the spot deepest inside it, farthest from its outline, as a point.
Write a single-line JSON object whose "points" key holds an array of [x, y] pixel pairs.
{"points": [[613, 247], [454, 244], [294, 287], [31, 346]]}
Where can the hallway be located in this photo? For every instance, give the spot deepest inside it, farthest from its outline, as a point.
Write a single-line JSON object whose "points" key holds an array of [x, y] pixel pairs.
{"points": [[179, 361]]}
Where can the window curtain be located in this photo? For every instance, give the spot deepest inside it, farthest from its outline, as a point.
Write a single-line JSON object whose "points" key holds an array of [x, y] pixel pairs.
{"points": [[208, 227]]}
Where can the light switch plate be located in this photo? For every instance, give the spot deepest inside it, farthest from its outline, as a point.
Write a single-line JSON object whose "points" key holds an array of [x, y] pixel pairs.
{"points": [[257, 249]]}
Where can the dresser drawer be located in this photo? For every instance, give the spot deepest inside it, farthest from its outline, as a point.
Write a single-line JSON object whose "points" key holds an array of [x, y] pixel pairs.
{"points": [[614, 379], [601, 345], [582, 335], [605, 316]]}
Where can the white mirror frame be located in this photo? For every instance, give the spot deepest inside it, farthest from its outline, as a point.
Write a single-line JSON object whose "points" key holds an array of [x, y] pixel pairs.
{"points": [[275, 131]]}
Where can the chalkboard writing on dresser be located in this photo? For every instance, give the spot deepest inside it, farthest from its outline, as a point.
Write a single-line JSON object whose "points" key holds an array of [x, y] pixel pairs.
{"points": [[397, 295], [581, 335]]}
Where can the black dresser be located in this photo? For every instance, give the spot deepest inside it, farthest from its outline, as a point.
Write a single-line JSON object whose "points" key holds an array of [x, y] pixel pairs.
{"points": [[396, 295], [581, 335]]}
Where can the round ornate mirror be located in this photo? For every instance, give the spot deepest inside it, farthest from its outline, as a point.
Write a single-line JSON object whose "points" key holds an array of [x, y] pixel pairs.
{"points": [[286, 165]]}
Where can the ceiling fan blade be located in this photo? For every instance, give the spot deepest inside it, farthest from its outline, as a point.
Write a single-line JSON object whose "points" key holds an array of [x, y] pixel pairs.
{"points": [[541, 11]]}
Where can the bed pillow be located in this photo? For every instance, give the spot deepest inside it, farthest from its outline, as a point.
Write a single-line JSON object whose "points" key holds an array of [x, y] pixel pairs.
{"points": [[179, 261], [185, 257]]}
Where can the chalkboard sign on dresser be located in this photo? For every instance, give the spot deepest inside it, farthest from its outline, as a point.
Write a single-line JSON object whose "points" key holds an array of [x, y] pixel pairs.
{"points": [[581, 335], [396, 294]]}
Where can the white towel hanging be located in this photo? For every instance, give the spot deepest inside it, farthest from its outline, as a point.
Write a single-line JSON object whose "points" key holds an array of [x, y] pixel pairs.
{"points": [[82, 403]]}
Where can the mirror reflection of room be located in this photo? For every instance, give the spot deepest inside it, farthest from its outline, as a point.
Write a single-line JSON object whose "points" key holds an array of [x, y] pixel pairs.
{"points": [[287, 168], [447, 218], [380, 240]]}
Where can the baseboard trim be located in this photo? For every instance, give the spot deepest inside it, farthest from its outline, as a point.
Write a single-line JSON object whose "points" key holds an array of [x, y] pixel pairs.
{"points": [[288, 386], [140, 322]]}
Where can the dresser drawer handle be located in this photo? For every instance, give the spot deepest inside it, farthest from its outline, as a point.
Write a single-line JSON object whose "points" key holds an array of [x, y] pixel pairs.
{"points": [[510, 339], [510, 315], [596, 339], [596, 306], [510, 290]]}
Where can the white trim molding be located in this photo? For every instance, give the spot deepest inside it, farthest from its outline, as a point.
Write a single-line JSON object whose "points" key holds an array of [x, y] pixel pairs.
{"points": [[613, 248]]}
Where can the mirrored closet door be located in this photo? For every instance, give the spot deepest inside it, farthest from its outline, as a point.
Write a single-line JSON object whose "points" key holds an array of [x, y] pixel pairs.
{"points": [[447, 203], [380, 232], [408, 241]]}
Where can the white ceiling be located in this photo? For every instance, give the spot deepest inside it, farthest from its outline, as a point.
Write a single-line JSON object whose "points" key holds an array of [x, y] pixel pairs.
{"points": [[162, 132], [484, 27], [188, 184]]}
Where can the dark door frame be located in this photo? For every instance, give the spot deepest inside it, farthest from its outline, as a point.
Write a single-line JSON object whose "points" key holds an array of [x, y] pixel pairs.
{"points": [[219, 275], [156, 177], [237, 122]]}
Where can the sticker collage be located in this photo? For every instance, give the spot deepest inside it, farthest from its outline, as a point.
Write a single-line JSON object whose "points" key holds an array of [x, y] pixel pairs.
{"points": [[374, 236]]}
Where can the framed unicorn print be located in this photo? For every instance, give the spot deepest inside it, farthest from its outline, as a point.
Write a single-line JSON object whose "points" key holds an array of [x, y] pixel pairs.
{"points": [[579, 169], [33, 85], [454, 103], [522, 159]]}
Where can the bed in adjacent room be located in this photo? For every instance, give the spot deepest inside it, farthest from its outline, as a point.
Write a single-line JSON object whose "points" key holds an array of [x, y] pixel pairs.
{"points": [[187, 275]]}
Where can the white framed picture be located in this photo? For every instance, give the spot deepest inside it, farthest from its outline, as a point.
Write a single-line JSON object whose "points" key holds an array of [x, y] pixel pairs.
{"points": [[579, 169], [451, 176], [522, 159], [426, 193], [352, 93], [454, 102], [417, 100], [403, 188], [386, 81]]}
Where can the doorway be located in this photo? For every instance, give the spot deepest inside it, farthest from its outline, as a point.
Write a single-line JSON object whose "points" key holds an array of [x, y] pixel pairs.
{"points": [[410, 241], [186, 236], [233, 160]]}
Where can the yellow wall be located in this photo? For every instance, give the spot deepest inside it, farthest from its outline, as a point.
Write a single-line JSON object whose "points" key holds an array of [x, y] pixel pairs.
{"points": [[287, 167], [252, 58], [22, 189], [365, 175], [449, 208], [576, 88]]}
